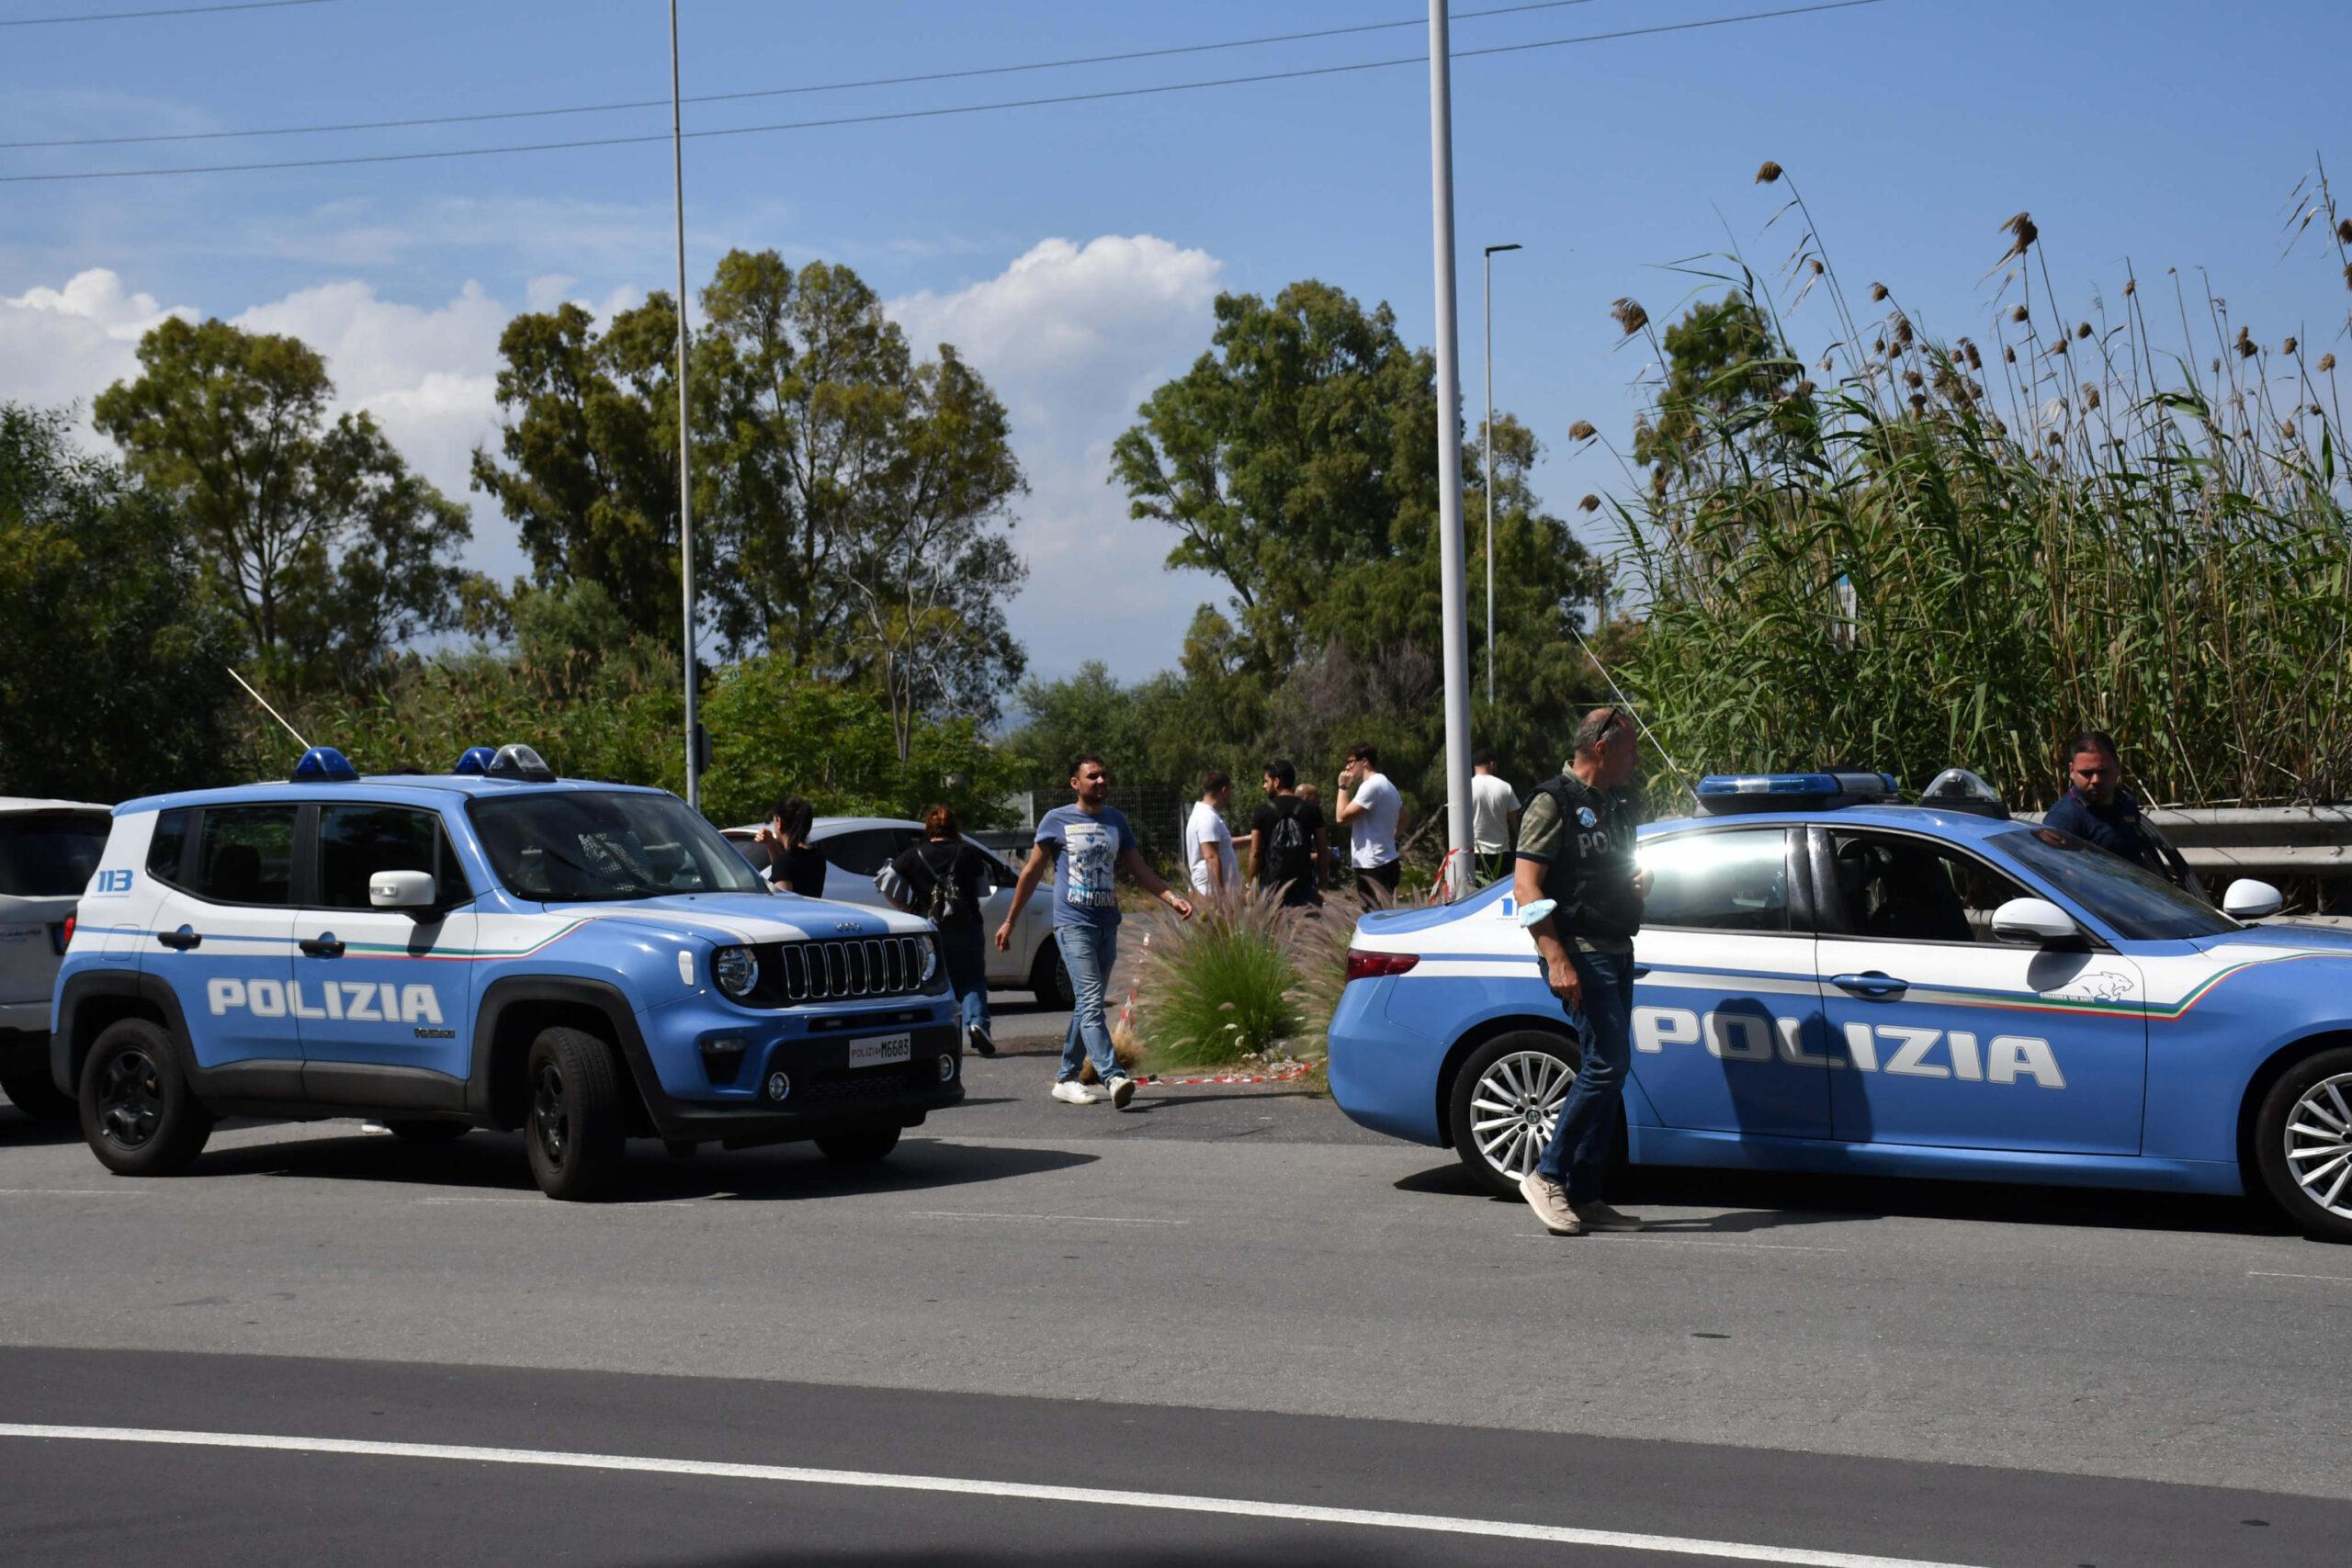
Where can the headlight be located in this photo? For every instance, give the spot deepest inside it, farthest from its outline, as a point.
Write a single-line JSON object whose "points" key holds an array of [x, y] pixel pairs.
{"points": [[929, 961], [735, 970]]}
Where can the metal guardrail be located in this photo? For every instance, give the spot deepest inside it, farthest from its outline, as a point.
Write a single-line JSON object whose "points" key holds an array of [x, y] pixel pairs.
{"points": [[2283, 841]]}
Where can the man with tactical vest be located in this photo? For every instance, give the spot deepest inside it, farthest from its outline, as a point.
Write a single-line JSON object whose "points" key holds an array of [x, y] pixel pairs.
{"points": [[1575, 848]]}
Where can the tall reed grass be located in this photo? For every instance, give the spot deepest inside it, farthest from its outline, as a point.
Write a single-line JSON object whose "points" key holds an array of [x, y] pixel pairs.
{"points": [[1909, 551]]}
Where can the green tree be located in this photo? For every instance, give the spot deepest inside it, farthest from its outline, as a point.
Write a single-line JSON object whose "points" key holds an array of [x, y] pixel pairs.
{"points": [[859, 497], [312, 532], [110, 658]]}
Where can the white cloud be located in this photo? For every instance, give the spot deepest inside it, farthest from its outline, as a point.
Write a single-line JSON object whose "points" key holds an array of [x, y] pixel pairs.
{"points": [[61, 346], [1074, 338]]}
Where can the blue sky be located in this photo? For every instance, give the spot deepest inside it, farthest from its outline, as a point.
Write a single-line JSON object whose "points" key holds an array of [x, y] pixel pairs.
{"points": [[1072, 251]]}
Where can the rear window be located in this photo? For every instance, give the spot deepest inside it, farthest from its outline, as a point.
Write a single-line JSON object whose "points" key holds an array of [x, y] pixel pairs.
{"points": [[50, 854]]}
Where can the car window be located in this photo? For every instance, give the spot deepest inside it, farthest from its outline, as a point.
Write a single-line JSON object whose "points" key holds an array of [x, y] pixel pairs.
{"points": [[50, 854], [357, 842], [1731, 880], [569, 845], [245, 855], [164, 849], [2140, 904], [862, 853], [1900, 888]]}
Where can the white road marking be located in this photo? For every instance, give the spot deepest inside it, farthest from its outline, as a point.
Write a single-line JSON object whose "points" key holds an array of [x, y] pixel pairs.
{"points": [[1240, 1507], [1056, 1219], [2266, 1274]]}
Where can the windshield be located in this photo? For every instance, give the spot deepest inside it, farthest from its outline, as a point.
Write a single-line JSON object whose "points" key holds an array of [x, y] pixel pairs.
{"points": [[565, 845], [50, 854], [2140, 904]]}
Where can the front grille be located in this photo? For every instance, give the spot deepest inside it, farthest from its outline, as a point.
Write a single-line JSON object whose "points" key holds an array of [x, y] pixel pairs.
{"points": [[868, 1085], [835, 968]]}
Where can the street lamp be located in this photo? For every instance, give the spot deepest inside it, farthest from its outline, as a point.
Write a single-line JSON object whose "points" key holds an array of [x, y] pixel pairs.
{"points": [[686, 461], [1491, 467]]}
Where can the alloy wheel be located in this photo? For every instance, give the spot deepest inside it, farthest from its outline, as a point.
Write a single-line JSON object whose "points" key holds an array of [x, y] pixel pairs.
{"points": [[550, 1118], [130, 1100], [1515, 1106], [2319, 1144]]}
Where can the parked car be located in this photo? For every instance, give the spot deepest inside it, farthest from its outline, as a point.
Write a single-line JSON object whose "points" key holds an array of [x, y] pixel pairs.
{"points": [[47, 851], [495, 947], [855, 848], [1829, 980]]}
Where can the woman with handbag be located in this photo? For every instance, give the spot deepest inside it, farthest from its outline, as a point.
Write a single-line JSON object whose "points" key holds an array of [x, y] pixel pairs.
{"points": [[943, 880]]}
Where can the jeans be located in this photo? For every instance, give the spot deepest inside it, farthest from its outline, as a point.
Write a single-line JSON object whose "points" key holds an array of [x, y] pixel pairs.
{"points": [[966, 957], [1089, 951], [1595, 1108]]}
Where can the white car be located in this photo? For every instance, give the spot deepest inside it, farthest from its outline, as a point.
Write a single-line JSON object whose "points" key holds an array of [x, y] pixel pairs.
{"points": [[855, 848], [47, 851]]}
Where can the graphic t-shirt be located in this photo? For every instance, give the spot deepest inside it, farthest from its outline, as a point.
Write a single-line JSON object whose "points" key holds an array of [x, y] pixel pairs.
{"points": [[1205, 834], [1086, 848], [1372, 838], [1492, 800]]}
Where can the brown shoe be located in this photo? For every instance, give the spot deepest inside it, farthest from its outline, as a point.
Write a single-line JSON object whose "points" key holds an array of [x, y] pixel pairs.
{"points": [[1599, 1216], [1550, 1202]]}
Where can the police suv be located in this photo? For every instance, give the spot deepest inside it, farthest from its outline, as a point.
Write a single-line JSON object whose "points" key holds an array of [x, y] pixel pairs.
{"points": [[495, 947], [1829, 980]]}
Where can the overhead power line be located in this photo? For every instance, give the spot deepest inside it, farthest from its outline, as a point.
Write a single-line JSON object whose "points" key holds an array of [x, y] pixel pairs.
{"points": [[937, 113], [164, 11], [415, 121]]}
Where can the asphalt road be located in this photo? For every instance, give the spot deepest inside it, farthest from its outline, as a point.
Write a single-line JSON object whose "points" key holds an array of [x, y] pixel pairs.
{"points": [[1228, 1295]]}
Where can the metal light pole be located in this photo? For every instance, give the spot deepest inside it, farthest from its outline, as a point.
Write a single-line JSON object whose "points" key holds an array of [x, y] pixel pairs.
{"points": [[1449, 458], [1488, 299], [685, 468]]}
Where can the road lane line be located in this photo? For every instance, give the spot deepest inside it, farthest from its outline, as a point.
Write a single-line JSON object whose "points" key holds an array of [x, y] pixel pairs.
{"points": [[1057, 1219], [2267, 1274], [1240, 1507]]}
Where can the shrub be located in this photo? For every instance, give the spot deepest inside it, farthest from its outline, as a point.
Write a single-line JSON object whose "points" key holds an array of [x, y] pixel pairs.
{"points": [[1245, 976]]}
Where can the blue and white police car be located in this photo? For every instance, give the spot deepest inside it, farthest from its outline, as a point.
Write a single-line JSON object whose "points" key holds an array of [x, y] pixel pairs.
{"points": [[1829, 980], [492, 948]]}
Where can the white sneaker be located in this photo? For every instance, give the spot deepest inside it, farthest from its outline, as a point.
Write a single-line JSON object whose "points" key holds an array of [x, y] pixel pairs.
{"points": [[1123, 1089], [1070, 1091]]}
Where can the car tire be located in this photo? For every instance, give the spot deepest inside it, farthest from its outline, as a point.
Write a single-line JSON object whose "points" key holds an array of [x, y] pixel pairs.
{"points": [[138, 1113], [859, 1146], [2309, 1174], [428, 1132], [37, 1097], [572, 1125], [1049, 977], [1508, 1077]]}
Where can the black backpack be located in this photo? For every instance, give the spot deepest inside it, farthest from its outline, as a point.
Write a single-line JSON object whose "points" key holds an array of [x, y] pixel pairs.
{"points": [[1290, 852], [947, 906]]}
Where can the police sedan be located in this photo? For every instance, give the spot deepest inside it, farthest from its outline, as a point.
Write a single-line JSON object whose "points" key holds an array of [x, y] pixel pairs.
{"points": [[1829, 980]]}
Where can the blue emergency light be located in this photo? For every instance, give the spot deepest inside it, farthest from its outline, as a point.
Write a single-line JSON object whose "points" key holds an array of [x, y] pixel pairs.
{"points": [[324, 764], [1722, 795], [474, 762]]}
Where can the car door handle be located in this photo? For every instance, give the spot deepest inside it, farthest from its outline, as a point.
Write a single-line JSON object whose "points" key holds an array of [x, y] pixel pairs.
{"points": [[179, 940], [1871, 985], [322, 946]]}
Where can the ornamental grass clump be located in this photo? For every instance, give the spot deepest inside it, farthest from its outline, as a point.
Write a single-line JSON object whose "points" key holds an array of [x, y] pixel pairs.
{"points": [[1934, 555], [1217, 988]]}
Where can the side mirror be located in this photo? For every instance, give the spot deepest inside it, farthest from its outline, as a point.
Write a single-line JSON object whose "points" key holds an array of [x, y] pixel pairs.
{"points": [[2250, 900], [402, 890], [2035, 921]]}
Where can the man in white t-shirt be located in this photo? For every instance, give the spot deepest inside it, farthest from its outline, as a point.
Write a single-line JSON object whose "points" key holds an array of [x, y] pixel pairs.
{"points": [[1208, 842], [1494, 819], [1368, 807]]}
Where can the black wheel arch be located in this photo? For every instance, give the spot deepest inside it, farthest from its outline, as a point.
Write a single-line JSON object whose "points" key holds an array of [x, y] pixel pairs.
{"points": [[2276, 1065], [511, 1014], [1476, 1036], [95, 998]]}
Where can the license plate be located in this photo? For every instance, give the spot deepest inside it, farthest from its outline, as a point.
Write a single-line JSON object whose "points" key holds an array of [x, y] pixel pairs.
{"points": [[881, 1051]]}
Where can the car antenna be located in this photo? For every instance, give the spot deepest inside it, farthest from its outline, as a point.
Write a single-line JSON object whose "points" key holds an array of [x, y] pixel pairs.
{"points": [[273, 713], [1626, 705]]}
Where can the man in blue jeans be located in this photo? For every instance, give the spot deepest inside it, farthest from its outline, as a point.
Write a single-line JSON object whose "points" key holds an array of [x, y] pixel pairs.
{"points": [[1086, 845], [1575, 848]]}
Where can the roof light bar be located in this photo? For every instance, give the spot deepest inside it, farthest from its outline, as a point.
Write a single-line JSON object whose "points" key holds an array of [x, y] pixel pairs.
{"points": [[520, 762], [1723, 793], [324, 764], [474, 762]]}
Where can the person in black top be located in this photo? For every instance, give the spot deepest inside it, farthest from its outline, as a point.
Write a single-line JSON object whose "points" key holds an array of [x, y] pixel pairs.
{"points": [[1287, 848], [944, 879], [2098, 810], [793, 866], [1575, 849]]}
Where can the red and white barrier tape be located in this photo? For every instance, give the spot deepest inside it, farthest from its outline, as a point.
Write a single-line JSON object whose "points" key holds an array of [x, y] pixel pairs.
{"points": [[1285, 1076]]}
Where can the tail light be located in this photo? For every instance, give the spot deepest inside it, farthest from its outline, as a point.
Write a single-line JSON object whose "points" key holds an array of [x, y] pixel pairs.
{"points": [[64, 935], [1372, 966]]}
